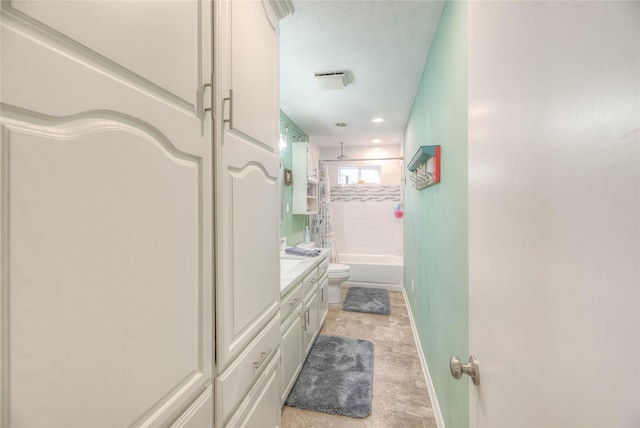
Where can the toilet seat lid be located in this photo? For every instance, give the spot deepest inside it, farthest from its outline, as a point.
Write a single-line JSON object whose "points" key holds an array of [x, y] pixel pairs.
{"points": [[337, 267]]}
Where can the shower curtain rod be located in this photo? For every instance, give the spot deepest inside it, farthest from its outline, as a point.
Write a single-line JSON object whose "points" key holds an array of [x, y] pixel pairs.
{"points": [[361, 159]]}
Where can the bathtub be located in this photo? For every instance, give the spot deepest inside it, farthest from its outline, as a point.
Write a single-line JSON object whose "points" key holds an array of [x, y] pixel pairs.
{"points": [[375, 271]]}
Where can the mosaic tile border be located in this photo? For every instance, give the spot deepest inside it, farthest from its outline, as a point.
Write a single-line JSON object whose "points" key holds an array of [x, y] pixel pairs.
{"points": [[365, 193]]}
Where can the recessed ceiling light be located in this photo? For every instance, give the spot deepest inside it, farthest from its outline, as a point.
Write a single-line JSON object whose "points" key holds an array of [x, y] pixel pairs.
{"points": [[378, 120], [376, 141], [342, 125]]}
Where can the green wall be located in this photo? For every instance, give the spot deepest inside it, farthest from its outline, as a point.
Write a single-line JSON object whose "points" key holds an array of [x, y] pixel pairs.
{"points": [[292, 224], [435, 225]]}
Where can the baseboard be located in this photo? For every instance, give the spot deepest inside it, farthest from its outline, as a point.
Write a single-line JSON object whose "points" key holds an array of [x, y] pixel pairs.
{"points": [[390, 287], [423, 361]]}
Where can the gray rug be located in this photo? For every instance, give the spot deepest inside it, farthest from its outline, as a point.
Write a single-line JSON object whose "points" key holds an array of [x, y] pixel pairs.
{"points": [[369, 300], [336, 378]]}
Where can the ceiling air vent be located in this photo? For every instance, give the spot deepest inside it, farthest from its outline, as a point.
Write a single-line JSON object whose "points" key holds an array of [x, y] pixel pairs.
{"points": [[335, 80]]}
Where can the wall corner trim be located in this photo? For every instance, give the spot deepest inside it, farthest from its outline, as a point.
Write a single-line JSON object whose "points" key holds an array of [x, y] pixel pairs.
{"points": [[423, 361]]}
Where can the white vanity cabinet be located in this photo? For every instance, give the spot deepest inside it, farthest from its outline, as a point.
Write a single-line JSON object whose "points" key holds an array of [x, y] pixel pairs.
{"points": [[303, 311], [305, 178]]}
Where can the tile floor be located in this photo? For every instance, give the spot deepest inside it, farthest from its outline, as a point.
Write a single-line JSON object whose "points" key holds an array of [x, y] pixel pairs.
{"points": [[400, 397]]}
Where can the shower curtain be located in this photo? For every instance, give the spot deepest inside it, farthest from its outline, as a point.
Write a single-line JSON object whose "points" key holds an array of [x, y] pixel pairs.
{"points": [[320, 226]]}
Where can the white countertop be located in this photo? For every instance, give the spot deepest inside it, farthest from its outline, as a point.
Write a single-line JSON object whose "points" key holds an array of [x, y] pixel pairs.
{"points": [[290, 275]]}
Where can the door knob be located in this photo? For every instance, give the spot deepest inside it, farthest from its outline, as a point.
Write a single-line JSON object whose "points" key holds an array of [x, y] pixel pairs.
{"points": [[472, 369]]}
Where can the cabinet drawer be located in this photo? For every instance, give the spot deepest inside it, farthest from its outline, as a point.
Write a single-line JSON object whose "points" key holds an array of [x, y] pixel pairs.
{"points": [[261, 407], [234, 383], [290, 302], [291, 350], [309, 281], [323, 267]]}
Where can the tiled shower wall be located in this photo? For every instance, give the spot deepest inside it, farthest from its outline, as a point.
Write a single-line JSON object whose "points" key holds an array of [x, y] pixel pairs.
{"points": [[363, 219]]}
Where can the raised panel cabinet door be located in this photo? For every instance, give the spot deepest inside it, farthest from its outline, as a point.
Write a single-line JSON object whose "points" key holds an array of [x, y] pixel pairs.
{"points": [[323, 304], [247, 173], [312, 162], [106, 270], [291, 348], [311, 320]]}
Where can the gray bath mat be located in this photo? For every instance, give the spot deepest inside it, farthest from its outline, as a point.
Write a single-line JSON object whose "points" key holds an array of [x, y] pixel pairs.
{"points": [[336, 378], [369, 300]]}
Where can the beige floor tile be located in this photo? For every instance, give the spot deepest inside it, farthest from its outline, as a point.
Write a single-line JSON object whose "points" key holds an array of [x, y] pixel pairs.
{"points": [[376, 320], [292, 417], [397, 422], [400, 396]]}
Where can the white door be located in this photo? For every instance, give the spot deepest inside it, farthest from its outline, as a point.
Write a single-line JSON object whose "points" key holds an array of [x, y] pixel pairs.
{"points": [[247, 173], [106, 208], [554, 221]]}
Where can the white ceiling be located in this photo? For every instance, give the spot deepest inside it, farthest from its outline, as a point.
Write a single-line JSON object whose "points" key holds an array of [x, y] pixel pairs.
{"points": [[383, 45]]}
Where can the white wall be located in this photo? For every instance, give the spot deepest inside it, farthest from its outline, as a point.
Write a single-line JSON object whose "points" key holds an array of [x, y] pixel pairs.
{"points": [[362, 215], [554, 213], [366, 226]]}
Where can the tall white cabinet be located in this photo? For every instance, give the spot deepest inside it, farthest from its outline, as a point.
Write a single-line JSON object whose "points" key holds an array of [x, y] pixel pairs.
{"points": [[247, 214], [138, 214], [106, 240], [247, 174]]}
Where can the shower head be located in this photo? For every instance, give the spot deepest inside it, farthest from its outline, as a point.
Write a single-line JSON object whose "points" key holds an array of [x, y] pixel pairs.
{"points": [[342, 156]]}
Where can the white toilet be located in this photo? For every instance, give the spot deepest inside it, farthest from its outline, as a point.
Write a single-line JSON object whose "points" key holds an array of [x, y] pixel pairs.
{"points": [[337, 273]]}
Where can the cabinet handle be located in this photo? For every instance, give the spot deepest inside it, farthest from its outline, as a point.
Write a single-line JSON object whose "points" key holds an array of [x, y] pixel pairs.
{"points": [[293, 302], [304, 321], [230, 99], [307, 316], [263, 357], [210, 85]]}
